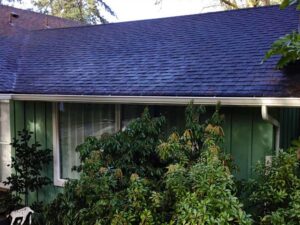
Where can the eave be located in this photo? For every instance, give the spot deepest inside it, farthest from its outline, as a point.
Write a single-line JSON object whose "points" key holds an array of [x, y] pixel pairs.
{"points": [[158, 100]]}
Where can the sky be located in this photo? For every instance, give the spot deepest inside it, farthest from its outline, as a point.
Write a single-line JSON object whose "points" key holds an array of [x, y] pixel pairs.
{"points": [[128, 10], [145, 9]]}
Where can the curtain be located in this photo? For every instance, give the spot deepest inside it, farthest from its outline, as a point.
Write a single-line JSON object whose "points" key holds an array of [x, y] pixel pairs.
{"points": [[76, 122]]}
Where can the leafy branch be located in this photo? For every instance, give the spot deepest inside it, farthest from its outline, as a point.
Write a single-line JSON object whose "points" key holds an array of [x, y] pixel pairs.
{"points": [[27, 163], [287, 46]]}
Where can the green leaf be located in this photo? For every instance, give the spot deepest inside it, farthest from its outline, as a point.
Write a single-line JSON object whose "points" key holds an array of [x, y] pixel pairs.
{"points": [[288, 47], [286, 3]]}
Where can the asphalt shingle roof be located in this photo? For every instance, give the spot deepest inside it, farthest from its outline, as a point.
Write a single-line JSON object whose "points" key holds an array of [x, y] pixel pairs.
{"points": [[10, 49], [213, 54]]}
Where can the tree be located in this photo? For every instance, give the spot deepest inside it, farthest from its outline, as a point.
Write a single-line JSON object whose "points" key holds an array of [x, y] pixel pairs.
{"points": [[237, 4], [86, 11], [233, 4]]}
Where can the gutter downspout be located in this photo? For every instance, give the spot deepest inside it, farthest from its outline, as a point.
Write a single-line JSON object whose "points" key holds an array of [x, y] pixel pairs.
{"points": [[275, 123]]}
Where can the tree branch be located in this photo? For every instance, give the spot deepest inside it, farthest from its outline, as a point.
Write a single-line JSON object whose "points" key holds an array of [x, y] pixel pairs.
{"points": [[230, 3]]}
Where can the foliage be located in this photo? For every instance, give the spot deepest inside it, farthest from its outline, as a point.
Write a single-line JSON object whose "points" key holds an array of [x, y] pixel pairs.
{"points": [[27, 164], [86, 11], [104, 186], [8, 202], [38, 217], [132, 177], [288, 46], [233, 4], [204, 191], [286, 3], [273, 196]]}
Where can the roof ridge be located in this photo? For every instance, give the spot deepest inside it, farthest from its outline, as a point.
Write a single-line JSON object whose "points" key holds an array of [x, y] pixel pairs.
{"points": [[162, 18]]}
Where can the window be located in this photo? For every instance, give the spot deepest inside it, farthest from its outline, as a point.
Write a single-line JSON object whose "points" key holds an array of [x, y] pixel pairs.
{"points": [[73, 122], [129, 112], [174, 114], [5, 139]]}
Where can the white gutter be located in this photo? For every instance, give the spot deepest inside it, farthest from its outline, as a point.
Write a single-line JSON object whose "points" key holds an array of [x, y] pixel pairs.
{"points": [[5, 97], [162, 100], [275, 123], [170, 100]]}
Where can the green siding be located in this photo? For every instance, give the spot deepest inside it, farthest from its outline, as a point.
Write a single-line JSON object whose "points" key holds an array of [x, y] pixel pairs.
{"points": [[241, 140], [37, 117], [247, 137], [289, 126]]}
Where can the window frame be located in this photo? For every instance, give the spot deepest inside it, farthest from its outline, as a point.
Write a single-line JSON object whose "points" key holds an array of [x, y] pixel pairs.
{"points": [[57, 180], [2, 185]]}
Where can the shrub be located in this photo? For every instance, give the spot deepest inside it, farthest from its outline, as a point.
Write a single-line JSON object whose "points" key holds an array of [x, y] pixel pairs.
{"points": [[273, 196], [132, 177], [27, 164], [204, 190], [107, 165]]}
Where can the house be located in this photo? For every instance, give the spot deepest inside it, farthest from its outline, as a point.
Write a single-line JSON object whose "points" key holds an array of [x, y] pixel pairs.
{"points": [[68, 83], [17, 21]]}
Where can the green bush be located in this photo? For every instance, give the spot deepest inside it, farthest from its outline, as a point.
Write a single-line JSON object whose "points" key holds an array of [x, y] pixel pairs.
{"points": [[132, 177], [273, 196], [27, 164]]}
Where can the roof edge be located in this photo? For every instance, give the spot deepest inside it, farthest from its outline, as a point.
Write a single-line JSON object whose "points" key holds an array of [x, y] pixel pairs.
{"points": [[166, 18], [159, 100]]}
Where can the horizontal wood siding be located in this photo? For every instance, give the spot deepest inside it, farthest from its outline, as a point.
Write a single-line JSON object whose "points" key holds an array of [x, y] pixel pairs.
{"points": [[247, 137]]}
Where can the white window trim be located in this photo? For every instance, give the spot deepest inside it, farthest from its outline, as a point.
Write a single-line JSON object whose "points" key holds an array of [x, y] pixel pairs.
{"points": [[2, 185], [57, 180]]}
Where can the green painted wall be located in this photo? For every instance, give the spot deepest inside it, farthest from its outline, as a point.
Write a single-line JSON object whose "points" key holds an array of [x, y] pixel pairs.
{"points": [[36, 117], [289, 125], [248, 137]]}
